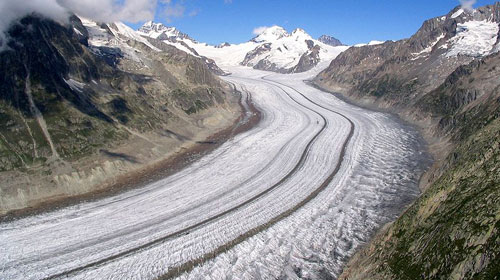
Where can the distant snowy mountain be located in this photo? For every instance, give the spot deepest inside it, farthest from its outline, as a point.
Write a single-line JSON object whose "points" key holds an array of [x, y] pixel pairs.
{"points": [[277, 50], [273, 50], [329, 40], [109, 38], [161, 32]]}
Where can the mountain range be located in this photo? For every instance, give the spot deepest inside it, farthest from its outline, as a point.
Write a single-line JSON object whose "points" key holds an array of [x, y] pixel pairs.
{"points": [[273, 50]]}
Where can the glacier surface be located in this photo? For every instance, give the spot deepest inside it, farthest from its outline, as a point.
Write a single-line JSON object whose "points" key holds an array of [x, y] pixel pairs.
{"points": [[254, 185]]}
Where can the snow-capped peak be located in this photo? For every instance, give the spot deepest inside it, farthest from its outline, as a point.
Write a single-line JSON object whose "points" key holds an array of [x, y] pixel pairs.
{"points": [[271, 34], [151, 26], [160, 31], [148, 24], [300, 33]]}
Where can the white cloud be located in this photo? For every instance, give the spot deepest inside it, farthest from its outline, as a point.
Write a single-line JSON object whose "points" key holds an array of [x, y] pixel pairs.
{"points": [[174, 11], [11, 10], [194, 12], [259, 30], [59, 10], [468, 4], [111, 10]]}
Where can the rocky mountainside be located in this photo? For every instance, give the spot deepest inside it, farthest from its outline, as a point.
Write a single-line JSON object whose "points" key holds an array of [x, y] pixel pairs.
{"points": [[172, 36], [273, 50], [329, 40], [400, 72], [83, 103], [445, 78]]}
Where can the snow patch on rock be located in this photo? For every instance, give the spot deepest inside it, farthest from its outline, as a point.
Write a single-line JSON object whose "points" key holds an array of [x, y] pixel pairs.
{"points": [[371, 43], [75, 85], [457, 13], [115, 35], [429, 48]]}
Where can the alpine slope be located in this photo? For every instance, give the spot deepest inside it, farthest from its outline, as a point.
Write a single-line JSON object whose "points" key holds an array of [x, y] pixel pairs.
{"points": [[291, 198]]}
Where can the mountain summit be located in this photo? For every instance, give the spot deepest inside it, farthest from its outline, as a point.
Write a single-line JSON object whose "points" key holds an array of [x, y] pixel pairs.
{"points": [[284, 52], [161, 32], [329, 40], [271, 34]]}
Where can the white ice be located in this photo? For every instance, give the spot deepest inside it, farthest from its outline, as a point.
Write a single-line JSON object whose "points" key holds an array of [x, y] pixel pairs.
{"points": [[474, 38]]}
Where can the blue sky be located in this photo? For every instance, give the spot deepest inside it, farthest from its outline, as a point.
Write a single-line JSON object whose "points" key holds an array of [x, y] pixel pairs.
{"points": [[351, 21]]}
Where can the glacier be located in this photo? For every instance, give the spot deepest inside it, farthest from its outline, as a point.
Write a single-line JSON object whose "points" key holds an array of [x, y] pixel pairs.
{"points": [[292, 197]]}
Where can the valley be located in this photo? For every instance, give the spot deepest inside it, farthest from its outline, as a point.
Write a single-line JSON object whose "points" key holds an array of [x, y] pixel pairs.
{"points": [[264, 192], [146, 154]]}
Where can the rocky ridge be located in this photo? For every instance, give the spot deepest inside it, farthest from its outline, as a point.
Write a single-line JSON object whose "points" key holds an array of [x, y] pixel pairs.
{"points": [[401, 72], [172, 36], [329, 40]]}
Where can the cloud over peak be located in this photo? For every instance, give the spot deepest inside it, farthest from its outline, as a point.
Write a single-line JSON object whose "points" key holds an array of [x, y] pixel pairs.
{"points": [[468, 4], [112, 10], [59, 10], [259, 30]]}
